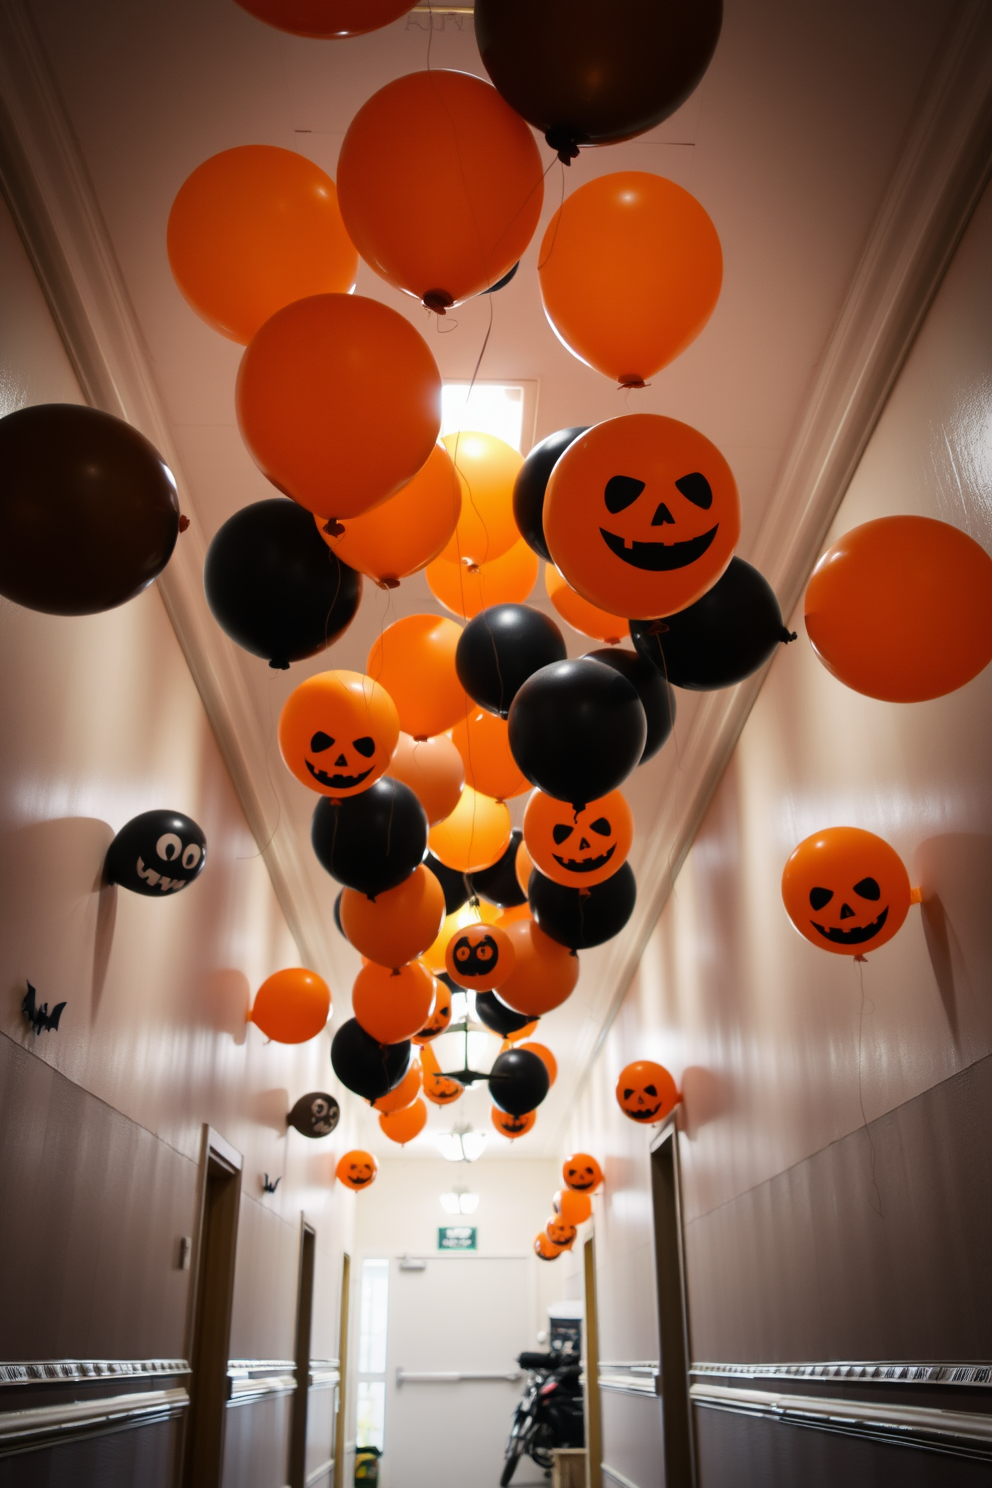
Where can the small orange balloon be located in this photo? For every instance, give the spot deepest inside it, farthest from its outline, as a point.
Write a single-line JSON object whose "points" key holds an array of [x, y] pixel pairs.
{"points": [[546, 1057], [440, 1015], [630, 270], [291, 1006], [357, 1169], [469, 914], [326, 18], [512, 1126], [488, 468], [483, 742], [574, 1208], [253, 229], [468, 589], [433, 770], [337, 732], [339, 402], [521, 1035], [399, 923], [846, 890], [545, 973], [578, 848], [414, 660], [588, 619], [391, 1005], [438, 1087], [582, 1172], [560, 1232], [474, 836], [642, 515], [545, 1248], [480, 957], [523, 866], [646, 1092], [403, 1094], [403, 1126], [401, 536], [901, 609]]}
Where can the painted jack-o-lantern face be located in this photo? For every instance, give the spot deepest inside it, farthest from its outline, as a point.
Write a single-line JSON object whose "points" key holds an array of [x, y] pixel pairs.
{"points": [[440, 1016], [578, 848], [546, 1248], [513, 1126], [357, 1169], [156, 853], [560, 1232], [315, 1115], [438, 1087], [846, 890], [642, 515], [646, 1092], [480, 957], [337, 732], [582, 1172]]}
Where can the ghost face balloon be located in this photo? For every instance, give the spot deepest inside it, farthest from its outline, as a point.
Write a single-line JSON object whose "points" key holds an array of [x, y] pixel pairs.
{"points": [[156, 853], [315, 1114]]}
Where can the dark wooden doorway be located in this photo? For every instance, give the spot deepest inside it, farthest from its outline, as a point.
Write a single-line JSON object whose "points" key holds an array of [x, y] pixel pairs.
{"points": [[340, 1414], [673, 1314], [304, 1320]]}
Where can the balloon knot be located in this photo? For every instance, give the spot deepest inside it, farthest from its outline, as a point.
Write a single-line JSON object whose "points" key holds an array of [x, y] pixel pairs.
{"points": [[388, 582], [395, 971], [631, 380], [333, 527], [473, 568], [278, 664], [859, 957], [183, 522], [788, 635], [585, 893], [578, 806], [657, 627], [438, 300], [563, 142], [420, 738], [916, 896]]}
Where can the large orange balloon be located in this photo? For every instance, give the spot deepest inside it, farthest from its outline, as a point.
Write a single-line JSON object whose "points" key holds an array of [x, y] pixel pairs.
{"points": [[253, 229], [515, 912], [391, 1005], [441, 185], [546, 1057], [398, 924], [512, 1126], [646, 1092], [588, 619], [326, 18], [901, 609], [467, 589], [630, 270], [403, 1094], [545, 973], [642, 515], [574, 1208], [337, 732], [582, 1172], [291, 1006], [403, 1126], [488, 468], [846, 890], [523, 867], [414, 659], [433, 770], [400, 536], [578, 848], [474, 836], [339, 402], [357, 1169], [483, 744]]}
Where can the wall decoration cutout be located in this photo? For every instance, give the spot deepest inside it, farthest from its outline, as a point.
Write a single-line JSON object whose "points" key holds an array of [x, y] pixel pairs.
{"points": [[37, 1015]]}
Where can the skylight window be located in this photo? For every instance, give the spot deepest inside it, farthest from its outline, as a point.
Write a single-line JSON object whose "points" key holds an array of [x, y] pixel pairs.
{"points": [[489, 407]]}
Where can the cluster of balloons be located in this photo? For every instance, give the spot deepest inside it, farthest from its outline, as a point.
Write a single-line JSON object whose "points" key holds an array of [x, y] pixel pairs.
{"points": [[571, 1206]]}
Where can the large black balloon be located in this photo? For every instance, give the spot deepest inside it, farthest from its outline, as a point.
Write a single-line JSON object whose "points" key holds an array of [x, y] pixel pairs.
{"points": [[372, 841], [365, 1067], [518, 1082], [497, 1017], [577, 729], [657, 697], [500, 649], [721, 639], [531, 484], [89, 513], [315, 1115], [580, 918], [499, 884], [452, 882], [275, 587], [586, 75], [156, 854]]}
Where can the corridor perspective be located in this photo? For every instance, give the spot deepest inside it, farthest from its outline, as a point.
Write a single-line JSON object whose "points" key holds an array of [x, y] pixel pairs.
{"points": [[495, 744]]}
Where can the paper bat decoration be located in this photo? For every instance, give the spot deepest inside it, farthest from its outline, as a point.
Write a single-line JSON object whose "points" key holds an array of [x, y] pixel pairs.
{"points": [[39, 1017]]}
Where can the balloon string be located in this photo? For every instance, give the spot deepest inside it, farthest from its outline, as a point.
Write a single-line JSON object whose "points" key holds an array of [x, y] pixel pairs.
{"points": [[337, 596], [264, 847], [877, 1206], [554, 235]]}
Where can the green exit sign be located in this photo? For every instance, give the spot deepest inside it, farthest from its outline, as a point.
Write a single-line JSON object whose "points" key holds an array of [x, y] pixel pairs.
{"points": [[456, 1237]]}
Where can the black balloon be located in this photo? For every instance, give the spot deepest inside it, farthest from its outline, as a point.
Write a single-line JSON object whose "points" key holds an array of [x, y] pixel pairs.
{"points": [[580, 918], [497, 1017], [89, 513], [156, 853], [275, 587], [721, 639], [577, 729], [585, 76], [531, 484], [500, 649], [502, 283], [315, 1114], [518, 1082], [337, 913], [499, 884], [372, 841], [657, 697], [452, 882], [365, 1067]]}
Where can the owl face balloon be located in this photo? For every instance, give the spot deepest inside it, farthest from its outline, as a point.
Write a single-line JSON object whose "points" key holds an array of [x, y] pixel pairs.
{"points": [[315, 1114], [156, 853]]}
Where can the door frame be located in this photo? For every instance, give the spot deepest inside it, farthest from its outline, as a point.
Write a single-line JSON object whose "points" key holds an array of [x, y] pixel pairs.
{"points": [[341, 1412], [672, 1383], [302, 1352]]}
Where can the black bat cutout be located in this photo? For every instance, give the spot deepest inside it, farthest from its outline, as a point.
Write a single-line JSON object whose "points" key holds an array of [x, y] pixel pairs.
{"points": [[268, 1186], [40, 1018]]}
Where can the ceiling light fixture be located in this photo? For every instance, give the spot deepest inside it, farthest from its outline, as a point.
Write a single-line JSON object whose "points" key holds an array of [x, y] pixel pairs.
{"points": [[459, 1201], [462, 1145]]}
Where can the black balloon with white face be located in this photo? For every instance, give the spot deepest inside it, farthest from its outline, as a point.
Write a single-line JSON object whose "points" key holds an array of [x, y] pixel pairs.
{"points": [[156, 854], [315, 1114]]}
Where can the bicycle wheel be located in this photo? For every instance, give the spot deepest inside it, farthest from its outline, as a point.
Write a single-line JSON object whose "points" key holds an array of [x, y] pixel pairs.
{"points": [[539, 1448], [514, 1451]]}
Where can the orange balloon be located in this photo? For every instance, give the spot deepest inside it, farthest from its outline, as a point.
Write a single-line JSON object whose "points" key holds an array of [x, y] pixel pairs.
{"points": [[404, 1094], [512, 1126], [357, 1169], [846, 890], [403, 1126], [582, 1173], [588, 619], [433, 770], [545, 973], [546, 1248], [337, 732], [469, 914], [523, 866], [451, 133], [339, 402], [253, 229], [483, 743], [480, 957], [326, 18], [488, 467], [646, 1092], [642, 515], [391, 1005], [901, 609], [574, 1208], [400, 536], [414, 659], [291, 1006], [513, 914], [399, 923], [521, 1035], [438, 1087], [467, 589], [474, 836], [546, 1057], [560, 1232], [578, 848], [630, 272], [440, 1015]]}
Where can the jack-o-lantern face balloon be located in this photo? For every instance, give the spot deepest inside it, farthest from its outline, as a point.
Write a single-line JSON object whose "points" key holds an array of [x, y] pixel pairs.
{"points": [[439, 1018], [156, 853], [357, 1169], [513, 1126], [574, 1208], [560, 1232], [438, 1087], [578, 848], [546, 1248], [582, 1172], [646, 1092], [642, 515], [480, 957], [846, 890], [315, 1115], [337, 732]]}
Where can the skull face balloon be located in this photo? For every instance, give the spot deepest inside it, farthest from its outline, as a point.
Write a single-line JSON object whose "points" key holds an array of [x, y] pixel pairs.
{"points": [[315, 1114], [156, 853]]}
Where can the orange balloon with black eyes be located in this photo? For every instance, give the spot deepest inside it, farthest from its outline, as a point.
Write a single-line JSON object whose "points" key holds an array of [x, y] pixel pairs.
{"points": [[578, 848], [646, 1092], [574, 1208], [480, 957], [337, 732], [402, 1126], [846, 890], [560, 1232], [357, 1169], [513, 1126], [545, 1248], [582, 1173], [440, 1015], [437, 1086], [642, 515]]}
